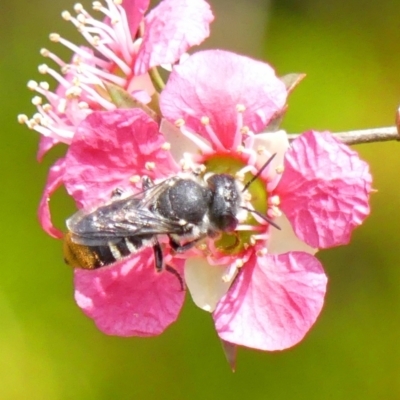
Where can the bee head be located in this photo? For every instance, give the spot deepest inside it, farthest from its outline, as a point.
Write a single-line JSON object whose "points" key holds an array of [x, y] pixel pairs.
{"points": [[224, 203]]}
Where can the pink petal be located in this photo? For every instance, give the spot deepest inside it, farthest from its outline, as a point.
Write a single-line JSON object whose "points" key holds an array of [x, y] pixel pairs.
{"points": [[45, 144], [171, 29], [273, 303], [130, 298], [111, 147], [54, 181], [135, 10], [324, 189], [213, 83]]}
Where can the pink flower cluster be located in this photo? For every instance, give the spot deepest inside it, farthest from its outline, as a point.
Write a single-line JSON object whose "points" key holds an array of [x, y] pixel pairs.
{"points": [[267, 289]]}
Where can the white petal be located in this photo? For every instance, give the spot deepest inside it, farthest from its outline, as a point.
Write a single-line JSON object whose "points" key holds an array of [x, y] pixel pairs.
{"points": [[285, 240], [205, 282], [273, 142]]}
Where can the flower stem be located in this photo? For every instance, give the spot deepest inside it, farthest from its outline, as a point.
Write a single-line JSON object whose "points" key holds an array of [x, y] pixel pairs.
{"points": [[363, 135]]}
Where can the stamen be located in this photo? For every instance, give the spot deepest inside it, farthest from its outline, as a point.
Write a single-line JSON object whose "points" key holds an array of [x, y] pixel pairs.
{"points": [[213, 136], [240, 108], [252, 228], [232, 270], [275, 211], [199, 142], [274, 200]]}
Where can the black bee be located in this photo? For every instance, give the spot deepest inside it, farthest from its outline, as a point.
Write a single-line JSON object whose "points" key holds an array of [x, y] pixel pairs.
{"points": [[185, 209]]}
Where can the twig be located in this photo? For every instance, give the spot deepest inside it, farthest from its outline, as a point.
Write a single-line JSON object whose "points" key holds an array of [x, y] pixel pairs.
{"points": [[363, 136]]}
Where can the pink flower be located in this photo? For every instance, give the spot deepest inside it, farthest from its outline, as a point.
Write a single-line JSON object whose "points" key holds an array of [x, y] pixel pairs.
{"points": [[125, 46], [317, 191], [263, 285]]}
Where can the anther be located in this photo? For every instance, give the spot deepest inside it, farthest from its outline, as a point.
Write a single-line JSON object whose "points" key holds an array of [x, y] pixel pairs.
{"points": [[37, 100], [118, 2], [44, 52], [54, 37], [166, 146], [22, 118], [262, 252], [240, 149], [275, 200], [205, 120], [83, 105], [275, 211], [95, 41], [240, 108], [66, 15], [150, 165], [244, 130], [73, 92], [179, 122], [43, 69], [78, 7], [135, 179], [32, 85], [44, 85], [260, 150], [81, 19], [96, 5]]}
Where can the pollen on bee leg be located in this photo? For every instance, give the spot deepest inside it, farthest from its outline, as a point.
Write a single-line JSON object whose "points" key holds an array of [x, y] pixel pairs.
{"points": [[232, 270]]}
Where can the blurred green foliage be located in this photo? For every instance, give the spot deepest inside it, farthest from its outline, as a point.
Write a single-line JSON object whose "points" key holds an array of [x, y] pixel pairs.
{"points": [[50, 350]]}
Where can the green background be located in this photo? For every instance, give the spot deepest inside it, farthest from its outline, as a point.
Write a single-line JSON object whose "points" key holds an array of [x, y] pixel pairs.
{"points": [[350, 51]]}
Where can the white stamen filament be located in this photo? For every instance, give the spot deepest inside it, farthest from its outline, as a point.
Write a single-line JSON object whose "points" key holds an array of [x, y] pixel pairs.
{"points": [[211, 133], [199, 142]]}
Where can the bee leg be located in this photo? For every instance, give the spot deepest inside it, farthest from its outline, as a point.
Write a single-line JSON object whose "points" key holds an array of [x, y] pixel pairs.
{"points": [[181, 248], [116, 193], [159, 261], [158, 257], [173, 271], [147, 183]]}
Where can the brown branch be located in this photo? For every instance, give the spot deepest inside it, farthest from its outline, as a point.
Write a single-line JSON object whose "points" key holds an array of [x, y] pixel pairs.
{"points": [[363, 136]]}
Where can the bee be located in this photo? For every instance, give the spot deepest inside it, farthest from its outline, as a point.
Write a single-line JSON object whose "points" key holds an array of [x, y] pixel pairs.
{"points": [[186, 209]]}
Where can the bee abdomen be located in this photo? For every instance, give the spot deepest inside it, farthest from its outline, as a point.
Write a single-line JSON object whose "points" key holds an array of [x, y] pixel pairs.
{"points": [[92, 257]]}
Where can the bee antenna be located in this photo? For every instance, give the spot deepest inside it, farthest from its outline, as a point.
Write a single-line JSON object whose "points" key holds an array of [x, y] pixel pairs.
{"points": [[264, 217], [246, 186]]}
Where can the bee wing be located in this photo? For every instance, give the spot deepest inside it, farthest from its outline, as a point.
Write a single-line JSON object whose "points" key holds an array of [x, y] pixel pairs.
{"points": [[122, 218]]}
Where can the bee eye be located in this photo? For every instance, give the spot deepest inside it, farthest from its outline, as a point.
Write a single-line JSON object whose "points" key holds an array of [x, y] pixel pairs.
{"points": [[227, 223]]}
